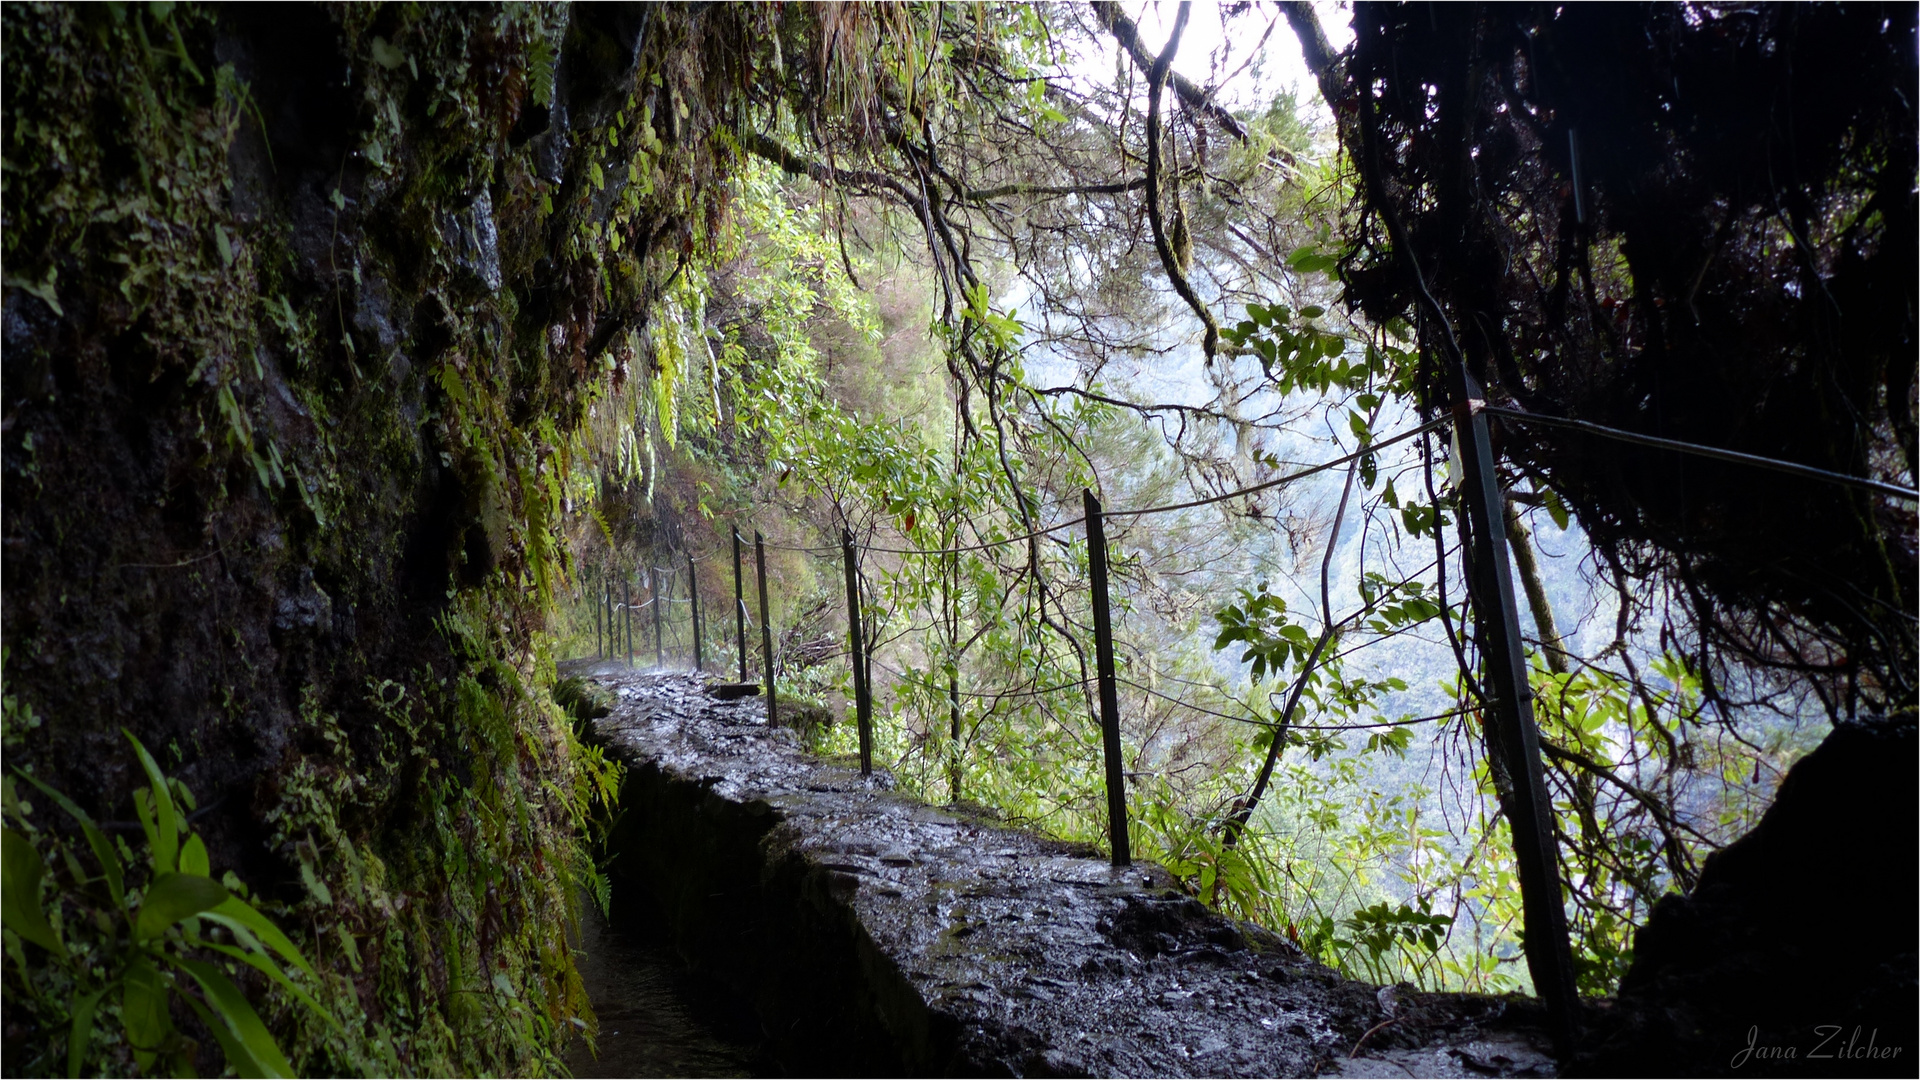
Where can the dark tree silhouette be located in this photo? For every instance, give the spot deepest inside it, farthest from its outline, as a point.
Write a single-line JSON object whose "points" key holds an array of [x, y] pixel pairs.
{"points": [[1696, 222]]}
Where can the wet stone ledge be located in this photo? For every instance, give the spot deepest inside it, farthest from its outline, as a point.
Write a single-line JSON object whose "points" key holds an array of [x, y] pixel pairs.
{"points": [[856, 931]]}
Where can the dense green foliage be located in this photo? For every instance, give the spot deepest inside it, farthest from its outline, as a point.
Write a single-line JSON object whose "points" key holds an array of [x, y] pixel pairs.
{"points": [[301, 308], [150, 931], [361, 361], [981, 632]]}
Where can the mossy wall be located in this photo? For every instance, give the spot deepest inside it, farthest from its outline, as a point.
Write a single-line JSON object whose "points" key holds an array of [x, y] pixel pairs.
{"points": [[302, 308]]}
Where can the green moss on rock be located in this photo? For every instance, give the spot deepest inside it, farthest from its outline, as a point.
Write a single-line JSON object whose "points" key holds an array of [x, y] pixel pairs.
{"points": [[302, 309]]}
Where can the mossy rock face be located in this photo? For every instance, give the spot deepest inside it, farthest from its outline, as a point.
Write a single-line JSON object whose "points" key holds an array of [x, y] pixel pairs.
{"points": [[302, 307], [582, 698], [802, 715]]}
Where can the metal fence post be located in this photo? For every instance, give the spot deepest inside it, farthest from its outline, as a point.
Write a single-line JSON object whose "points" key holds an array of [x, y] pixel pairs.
{"points": [[739, 607], [766, 623], [1504, 668], [659, 642], [856, 633], [1109, 687], [626, 611], [693, 601]]}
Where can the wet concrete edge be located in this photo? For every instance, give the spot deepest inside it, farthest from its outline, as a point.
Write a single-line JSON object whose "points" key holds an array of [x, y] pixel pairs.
{"points": [[779, 912]]}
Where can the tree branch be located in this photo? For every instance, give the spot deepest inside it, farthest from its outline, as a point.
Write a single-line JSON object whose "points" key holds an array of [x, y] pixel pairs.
{"points": [[1156, 82], [1128, 35], [765, 147]]}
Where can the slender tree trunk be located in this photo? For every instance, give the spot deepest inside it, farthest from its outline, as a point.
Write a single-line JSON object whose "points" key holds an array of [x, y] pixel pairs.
{"points": [[1520, 540]]}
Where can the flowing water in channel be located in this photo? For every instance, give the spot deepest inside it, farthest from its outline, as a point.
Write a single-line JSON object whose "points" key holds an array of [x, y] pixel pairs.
{"points": [[649, 1023]]}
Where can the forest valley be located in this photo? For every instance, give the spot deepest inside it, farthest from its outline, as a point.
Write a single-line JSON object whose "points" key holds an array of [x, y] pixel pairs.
{"points": [[357, 358]]}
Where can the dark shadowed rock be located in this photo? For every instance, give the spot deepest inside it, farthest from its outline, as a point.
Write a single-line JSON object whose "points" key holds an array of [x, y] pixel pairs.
{"points": [[1797, 950], [472, 243]]}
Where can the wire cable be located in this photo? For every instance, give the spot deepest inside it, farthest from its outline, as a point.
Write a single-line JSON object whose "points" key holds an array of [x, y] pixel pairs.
{"points": [[1370, 448], [1735, 456], [1256, 722]]}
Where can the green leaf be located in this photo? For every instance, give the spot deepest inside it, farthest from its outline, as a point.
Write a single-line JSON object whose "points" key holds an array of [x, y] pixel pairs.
{"points": [[143, 809], [20, 872], [173, 897], [262, 1056], [234, 910], [143, 1010], [166, 830], [81, 1032], [43, 290], [386, 55], [272, 971], [102, 850], [238, 1057], [1556, 509], [193, 856]]}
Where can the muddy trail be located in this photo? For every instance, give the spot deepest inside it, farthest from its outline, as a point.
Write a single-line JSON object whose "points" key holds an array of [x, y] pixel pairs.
{"points": [[831, 925]]}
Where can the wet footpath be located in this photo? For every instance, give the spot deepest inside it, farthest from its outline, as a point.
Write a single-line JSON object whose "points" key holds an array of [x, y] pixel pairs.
{"points": [[845, 929]]}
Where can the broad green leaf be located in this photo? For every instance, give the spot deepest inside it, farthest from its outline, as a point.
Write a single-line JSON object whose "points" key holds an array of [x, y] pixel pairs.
{"points": [[234, 910], [265, 1058], [81, 1031], [143, 1009], [1556, 509], [20, 872], [193, 856], [102, 850], [1358, 425], [173, 897], [166, 851]]}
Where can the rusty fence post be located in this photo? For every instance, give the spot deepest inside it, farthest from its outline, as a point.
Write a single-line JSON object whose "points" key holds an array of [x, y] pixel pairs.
{"points": [[1109, 687], [766, 623], [856, 634], [1504, 670]]}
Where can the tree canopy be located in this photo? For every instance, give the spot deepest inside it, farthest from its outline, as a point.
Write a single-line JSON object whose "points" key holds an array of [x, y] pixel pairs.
{"points": [[1695, 221]]}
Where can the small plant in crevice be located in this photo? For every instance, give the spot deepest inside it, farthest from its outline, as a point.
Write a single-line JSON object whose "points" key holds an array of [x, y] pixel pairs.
{"points": [[585, 701], [582, 700], [148, 929]]}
